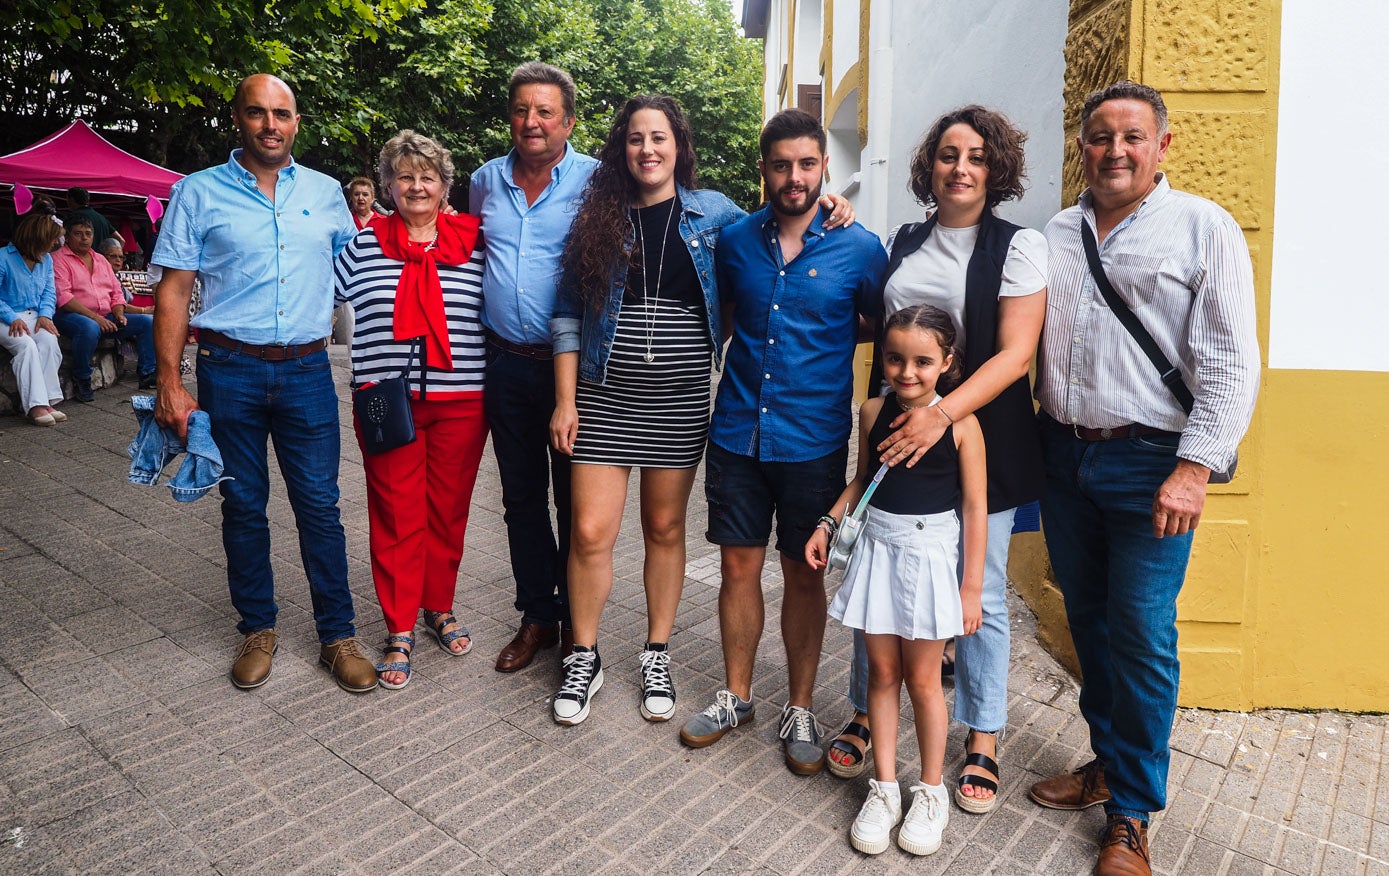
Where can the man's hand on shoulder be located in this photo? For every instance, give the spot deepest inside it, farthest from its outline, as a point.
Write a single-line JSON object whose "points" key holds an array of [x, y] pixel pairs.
{"points": [[1179, 501]]}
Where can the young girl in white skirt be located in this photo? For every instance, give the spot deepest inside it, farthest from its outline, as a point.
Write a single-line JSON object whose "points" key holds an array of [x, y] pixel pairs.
{"points": [[901, 586]]}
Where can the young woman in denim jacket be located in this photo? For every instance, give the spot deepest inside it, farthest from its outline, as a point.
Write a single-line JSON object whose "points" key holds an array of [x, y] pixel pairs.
{"points": [[635, 331]]}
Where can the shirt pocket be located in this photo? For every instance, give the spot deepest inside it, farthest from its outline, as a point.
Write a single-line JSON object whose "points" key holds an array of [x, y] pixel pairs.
{"points": [[1136, 278]]}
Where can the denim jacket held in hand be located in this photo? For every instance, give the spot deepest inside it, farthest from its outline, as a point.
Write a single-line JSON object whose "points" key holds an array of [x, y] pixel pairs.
{"points": [[155, 447], [577, 326]]}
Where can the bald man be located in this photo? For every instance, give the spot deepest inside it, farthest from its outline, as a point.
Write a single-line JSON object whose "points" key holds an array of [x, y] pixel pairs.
{"points": [[261, 231]]}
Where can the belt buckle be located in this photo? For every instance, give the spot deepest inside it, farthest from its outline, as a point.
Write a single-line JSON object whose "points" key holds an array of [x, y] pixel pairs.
{"points": [[1106, 434]]}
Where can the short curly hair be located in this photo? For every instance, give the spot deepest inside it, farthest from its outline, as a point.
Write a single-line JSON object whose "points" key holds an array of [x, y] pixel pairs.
{"points": [[408, 146], [1003, 142]]}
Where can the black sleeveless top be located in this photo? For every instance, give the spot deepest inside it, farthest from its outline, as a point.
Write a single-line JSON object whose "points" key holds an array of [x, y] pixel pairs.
{"points": [[931, 486], [1012, 442]]}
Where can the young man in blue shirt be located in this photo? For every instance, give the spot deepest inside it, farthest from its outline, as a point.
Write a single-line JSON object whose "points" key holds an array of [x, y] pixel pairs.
{"points": [[778, 442], [261, 231]]}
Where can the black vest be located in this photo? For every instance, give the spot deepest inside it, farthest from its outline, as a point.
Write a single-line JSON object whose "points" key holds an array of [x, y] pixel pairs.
{"points": [[1009, 422]]}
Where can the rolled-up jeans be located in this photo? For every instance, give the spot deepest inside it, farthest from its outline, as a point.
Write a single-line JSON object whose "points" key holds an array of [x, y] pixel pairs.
{"points": [[1120, 583], [981, 660], [294, 404]]}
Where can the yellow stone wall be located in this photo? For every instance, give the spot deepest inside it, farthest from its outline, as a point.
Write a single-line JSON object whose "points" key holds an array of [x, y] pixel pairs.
{"points": [[1284, 603]]}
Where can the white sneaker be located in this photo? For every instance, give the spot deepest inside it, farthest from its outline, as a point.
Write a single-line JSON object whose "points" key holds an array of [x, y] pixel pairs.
{"points": [[872, 829], [926, 820], [583, 676]]}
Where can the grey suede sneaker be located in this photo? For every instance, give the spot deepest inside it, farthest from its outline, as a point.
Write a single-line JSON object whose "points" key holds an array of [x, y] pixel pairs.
{"points": [[800, 740], [710, 725]]}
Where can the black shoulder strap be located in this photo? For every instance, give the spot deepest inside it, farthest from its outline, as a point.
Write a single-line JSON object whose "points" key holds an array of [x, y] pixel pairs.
{"points": [[1171, 377]]}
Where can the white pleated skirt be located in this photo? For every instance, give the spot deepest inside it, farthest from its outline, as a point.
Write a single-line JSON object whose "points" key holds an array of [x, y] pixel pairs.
{"points": [[903, 577]]}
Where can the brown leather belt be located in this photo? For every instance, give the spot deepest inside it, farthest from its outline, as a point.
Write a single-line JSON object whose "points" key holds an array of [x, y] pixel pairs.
{"points": [[1131, 430], [531, 351], [266, 352]]}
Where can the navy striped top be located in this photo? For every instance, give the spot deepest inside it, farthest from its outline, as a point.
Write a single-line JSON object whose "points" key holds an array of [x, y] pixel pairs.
{"points": [[366, 279]]}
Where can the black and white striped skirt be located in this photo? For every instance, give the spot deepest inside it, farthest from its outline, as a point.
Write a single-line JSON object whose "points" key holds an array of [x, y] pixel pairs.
{"points": [[649, 414]]}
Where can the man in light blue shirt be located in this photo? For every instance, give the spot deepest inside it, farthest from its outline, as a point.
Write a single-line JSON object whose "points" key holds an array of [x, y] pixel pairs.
{"points": [[261, 232], [527, 200]]}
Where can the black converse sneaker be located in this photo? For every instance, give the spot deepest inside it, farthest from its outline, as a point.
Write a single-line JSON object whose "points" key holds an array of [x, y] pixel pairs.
{"points": [[657, 692], [583, 676]]}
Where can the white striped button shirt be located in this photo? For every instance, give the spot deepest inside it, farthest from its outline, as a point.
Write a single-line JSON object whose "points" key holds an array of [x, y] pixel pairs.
{"points": [[365, 278], [1181, 264]]}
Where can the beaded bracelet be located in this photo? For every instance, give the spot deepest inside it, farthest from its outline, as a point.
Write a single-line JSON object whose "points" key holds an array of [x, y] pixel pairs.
{"points": [[831, 525]]}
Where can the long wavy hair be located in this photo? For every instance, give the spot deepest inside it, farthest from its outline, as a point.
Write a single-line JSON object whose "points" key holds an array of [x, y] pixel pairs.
{"points": [[596, 249], [1003, 151]]}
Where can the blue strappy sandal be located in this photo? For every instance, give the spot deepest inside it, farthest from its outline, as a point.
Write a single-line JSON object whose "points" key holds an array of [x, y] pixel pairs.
{"points": [[393, 644], [436, 621]]}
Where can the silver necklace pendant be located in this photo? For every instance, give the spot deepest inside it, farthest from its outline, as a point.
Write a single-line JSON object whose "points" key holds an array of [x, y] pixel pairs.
{"points": [[650, 356]]}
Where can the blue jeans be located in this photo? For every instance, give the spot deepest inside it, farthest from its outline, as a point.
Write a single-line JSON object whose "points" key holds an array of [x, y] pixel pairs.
{"points": [[294, 404], [981, 660], [1120, 583], [83, 333], [519, 397]]}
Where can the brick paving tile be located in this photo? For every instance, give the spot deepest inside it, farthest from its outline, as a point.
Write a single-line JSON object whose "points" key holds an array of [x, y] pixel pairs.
{"points": [[124, 749]]}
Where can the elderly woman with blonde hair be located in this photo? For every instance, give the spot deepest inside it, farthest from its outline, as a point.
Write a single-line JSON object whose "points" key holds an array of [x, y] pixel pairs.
{"points": [[414, 281]]}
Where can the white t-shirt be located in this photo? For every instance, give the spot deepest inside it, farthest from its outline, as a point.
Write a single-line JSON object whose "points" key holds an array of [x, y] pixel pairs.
{"points": [[935, 273]]}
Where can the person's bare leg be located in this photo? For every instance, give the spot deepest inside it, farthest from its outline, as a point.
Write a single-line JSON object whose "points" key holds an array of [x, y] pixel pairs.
{"points": [[742, 614], [803, 612], [921, 672], [597, 519], [884, 701], [665, 497]]}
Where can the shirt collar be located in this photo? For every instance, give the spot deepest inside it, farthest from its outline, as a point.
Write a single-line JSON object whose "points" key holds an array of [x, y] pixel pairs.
{"points": [[816, 227], [556, 172], [1161, 189], [245, 176]]}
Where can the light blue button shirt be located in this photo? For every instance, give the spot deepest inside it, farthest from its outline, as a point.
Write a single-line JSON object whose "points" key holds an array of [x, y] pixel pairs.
{"points": [[266, 268], [524, 242], [23, 288]]}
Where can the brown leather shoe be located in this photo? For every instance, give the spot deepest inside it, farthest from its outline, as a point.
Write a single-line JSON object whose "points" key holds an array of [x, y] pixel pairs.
{"points": [[521, 650], [347, 660], [1078, 790], [252, 665], [1123, 848]]}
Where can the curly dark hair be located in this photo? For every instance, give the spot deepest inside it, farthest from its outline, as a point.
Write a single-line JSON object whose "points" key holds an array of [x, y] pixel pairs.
{"points": [[1002, 149], [596, 247]]}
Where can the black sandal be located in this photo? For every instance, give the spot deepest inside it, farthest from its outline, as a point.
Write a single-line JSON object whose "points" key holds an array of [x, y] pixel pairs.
{"points": [[858, 760], [435, 621], [977, 805]]}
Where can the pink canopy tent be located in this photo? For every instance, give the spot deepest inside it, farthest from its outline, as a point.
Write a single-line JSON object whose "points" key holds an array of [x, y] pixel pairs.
{"points": [[79, 156]]}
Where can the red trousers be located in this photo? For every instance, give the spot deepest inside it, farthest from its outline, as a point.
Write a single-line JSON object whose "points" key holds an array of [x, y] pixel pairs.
{"points": [[417, 501]]}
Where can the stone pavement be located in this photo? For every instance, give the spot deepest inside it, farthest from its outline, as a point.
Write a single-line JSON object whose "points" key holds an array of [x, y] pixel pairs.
{"points": [[124, 748]]}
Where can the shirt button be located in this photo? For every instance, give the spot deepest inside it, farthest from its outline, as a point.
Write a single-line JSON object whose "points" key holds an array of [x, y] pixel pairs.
{"points": [[766, 377], [282, 246], [282, 279], [1077, 339], [282, 313], [523, 254], [771, 340], [781, 273], [776, 307], [1075, 380], [764, 410]]}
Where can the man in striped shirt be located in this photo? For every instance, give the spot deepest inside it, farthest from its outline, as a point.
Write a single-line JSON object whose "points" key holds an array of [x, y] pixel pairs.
{"points": [[1127, 466]]}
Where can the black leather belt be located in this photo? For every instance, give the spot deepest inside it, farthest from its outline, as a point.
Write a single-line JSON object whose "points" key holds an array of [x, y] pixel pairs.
{"points": [[542, 352], [266, 352], [1130, 430]]}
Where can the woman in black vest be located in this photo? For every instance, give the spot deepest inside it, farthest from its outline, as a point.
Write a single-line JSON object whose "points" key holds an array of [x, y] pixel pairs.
{"points": [[990, 275]]}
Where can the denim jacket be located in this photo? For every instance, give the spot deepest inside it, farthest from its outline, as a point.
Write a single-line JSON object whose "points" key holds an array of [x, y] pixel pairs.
{"points": [[589, 330], [155, 447]]}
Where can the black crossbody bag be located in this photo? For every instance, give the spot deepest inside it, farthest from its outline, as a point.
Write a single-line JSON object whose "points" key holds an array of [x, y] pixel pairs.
{"points": [[383, 408], [1171, 377]]}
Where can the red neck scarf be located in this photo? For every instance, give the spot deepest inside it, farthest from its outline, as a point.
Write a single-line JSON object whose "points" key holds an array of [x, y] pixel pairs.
{"points": [[419, 298]]}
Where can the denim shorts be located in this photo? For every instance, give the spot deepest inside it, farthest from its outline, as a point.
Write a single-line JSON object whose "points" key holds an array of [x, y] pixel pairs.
{"points": [[744, 492]]}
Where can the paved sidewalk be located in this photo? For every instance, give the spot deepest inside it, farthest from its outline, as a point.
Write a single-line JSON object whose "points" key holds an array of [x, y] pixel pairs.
{"points": [[124, 748]]}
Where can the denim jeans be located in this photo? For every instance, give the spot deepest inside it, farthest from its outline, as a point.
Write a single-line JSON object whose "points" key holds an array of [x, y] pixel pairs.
{"points": [[83, 333], [294, 404], [519, 396], [1120, 583], [981, 660]]}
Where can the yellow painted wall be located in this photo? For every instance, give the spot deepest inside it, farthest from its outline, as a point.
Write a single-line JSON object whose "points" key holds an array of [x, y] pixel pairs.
{"points": [[1284, 603]]}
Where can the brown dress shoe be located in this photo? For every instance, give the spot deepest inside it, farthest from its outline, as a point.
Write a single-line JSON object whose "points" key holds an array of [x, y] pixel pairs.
{"points": [[252, 665], [521, 650], [1123, 848], [1078, 790], [348, 662]]}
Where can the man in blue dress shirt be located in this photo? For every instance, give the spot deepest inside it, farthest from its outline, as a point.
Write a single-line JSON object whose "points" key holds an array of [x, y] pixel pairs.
{"points": [[526, 200], [261, 231], [778, 442]]}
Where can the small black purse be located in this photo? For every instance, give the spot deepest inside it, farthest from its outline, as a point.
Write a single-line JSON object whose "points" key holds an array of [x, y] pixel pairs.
{"points": [[383, 408]]}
